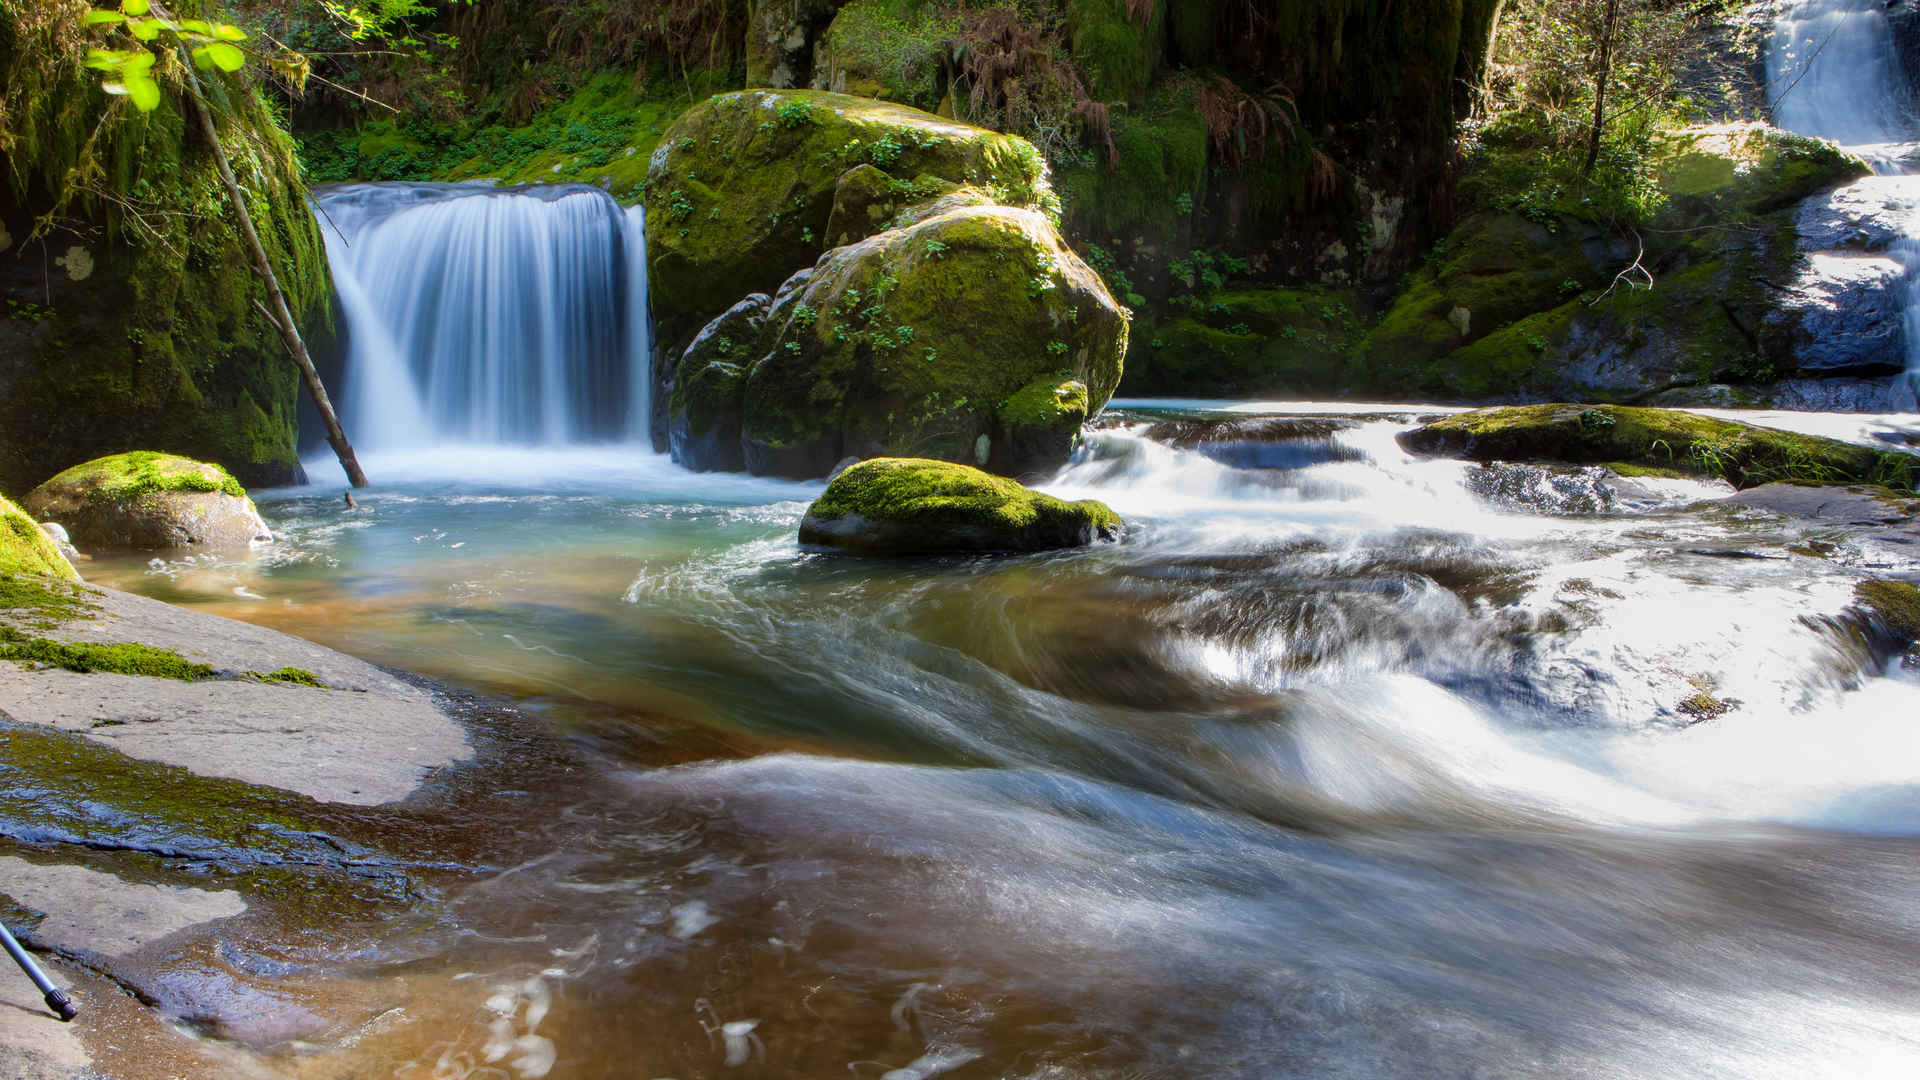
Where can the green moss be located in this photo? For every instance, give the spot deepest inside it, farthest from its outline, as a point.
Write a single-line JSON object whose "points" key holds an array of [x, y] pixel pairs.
{"points": [[292, 676], [1894, 604], [920, 333], [25, 548], [736, 200], [931, 506], [121, 477], [1120, 52], [1742, 454], [125, 658], [42, 600], [1046, 402], [1250, 341], [888, 49], [1161, 165], [162, 335]]}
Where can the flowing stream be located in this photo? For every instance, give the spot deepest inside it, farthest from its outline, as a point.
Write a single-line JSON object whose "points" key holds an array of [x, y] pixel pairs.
{"points": [[1342, 764], [1833, 72]]}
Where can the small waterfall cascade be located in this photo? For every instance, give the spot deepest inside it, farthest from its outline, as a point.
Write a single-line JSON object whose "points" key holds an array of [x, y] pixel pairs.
{"points": [[1833, 72], [483, 315]]}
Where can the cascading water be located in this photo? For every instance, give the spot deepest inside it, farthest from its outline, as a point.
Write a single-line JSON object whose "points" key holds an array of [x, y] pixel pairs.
{"points": [[1833, 72], [484, 315]]}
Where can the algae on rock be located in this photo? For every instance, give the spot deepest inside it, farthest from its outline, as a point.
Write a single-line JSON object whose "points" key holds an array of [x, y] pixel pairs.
{"points": [[972, 336], [148, 500], [905, 506]]}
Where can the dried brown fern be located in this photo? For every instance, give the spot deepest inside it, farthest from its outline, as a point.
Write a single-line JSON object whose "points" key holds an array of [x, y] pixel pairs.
{"points": [[1244, 126]]}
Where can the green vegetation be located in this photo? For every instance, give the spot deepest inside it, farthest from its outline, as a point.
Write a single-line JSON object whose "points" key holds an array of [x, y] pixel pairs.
{"points": [[291, 676], [888, 49], [121, 477], [909, 506], [26, 549], [125, 658], [1895, 605], [1742, 454], [148, 317]]}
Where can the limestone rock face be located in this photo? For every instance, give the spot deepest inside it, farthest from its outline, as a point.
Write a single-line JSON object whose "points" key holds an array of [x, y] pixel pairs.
{"points": [[147, 501], [974, 336], [907, 506], [749, 188]]}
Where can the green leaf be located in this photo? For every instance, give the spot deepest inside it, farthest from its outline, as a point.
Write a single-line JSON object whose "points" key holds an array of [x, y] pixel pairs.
{"points": [[95, 18], [227, 57], [144, 92], [136, 62], [136, 7], [200, 58], [144, 29], [105, 59], [197, 26], [229, 32]]}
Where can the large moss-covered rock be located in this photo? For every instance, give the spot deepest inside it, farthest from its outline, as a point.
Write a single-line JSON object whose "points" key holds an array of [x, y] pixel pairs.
{"points": [[741, 190], [1742, 454], [906, 506], [149, 501], [130, 320], [1519, 306], [974, 336], [25, 548]]}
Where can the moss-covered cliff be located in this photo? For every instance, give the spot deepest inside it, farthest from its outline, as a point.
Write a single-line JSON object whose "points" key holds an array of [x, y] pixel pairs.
{"points": [[129, 317]]}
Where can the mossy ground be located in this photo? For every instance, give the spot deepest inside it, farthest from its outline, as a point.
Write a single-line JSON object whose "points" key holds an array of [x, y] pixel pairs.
{"points": [[25, 548], [121, 658], [291, 676], [43, 601], [1742, 454]]}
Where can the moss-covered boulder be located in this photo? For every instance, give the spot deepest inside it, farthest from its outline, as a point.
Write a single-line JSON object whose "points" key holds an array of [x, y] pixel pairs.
{"points": [[907, 506], [149, 501], [127, 316], [1742, 454], [743, 190], [973, 336], [25, 548]]}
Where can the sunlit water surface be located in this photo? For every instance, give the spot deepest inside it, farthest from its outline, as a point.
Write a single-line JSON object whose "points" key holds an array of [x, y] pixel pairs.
{"points": [[1340, 764]]}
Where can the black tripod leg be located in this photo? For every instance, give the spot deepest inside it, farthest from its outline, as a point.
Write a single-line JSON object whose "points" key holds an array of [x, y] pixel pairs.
{"points": [[58, 1001]]}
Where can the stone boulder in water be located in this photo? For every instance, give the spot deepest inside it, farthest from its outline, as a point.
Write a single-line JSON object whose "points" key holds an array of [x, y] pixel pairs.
{"points": [[1639, 439], [905, 291], [148, 501], [907, 506], [973, 336]]}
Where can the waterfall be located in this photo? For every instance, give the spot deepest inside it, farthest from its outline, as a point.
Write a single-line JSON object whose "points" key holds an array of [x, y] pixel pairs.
{"points": [[477, 314], [1833, 72]]}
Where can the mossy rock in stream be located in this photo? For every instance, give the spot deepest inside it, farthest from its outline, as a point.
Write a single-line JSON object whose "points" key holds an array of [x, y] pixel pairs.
{"points": [[974, 336], [1742, 454], [130, 321], [741, 190], [25, 548], [149, 501], [907, 506]]}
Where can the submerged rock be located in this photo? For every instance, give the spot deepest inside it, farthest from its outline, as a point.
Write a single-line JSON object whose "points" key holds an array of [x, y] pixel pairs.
{"points": [[149, 501], [906, 506], [25, 548], [1685, 443]]}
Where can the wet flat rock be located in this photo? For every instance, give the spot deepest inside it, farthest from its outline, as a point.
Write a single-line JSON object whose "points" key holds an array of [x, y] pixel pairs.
{"points": [[1864, 510], [364, 737]]}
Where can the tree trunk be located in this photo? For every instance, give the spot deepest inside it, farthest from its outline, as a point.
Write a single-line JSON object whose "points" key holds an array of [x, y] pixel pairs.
{"points": [[1609, 24], [275, 309]]}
